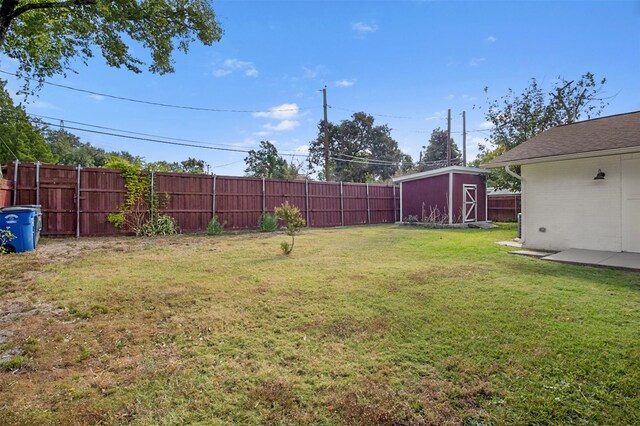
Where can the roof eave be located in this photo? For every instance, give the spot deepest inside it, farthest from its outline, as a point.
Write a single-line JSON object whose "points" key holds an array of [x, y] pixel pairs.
{"points": [[574, 156]]}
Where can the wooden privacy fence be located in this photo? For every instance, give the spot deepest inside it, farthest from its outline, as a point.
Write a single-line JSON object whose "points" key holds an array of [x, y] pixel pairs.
{"points": [[504, 208], [5, 192], [76, 201]]}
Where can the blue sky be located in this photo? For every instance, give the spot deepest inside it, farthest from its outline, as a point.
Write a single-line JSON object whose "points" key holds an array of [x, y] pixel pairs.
{"points": [[406, 62]]}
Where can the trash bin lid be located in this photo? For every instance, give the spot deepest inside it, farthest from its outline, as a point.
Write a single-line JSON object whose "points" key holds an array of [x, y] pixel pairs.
{"points": [[20, 208]]}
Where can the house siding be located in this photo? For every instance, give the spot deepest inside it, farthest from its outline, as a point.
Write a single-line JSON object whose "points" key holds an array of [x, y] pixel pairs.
{"points": [[575, 210]]}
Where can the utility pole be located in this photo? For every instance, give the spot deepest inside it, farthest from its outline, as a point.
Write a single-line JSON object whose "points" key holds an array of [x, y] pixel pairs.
{"points": [[327, 171], [448, 137], [464, 139]]}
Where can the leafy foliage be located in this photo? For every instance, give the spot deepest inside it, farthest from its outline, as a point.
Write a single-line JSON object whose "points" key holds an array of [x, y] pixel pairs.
{"points": [[140, 211], [71, 151], [46, 37], [215, 227], [436, 152], [190, 165], [160, 225], [5, 237], [267, 222], [360, 150], [293, 222], [267, 163], [21, 136], [518, 118]]}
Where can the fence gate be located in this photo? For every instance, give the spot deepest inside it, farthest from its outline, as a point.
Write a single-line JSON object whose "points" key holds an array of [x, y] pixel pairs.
{"points": [[470, 207]]}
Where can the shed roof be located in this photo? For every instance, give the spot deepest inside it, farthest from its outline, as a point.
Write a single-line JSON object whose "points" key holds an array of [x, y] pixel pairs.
{"points": [[590, 138], [442, 171]]}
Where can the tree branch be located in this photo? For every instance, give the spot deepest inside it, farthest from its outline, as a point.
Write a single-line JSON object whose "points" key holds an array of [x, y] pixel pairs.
{"points": [[50, 5]]}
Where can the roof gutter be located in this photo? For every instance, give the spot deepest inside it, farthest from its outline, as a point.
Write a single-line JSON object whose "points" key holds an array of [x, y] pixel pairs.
{"points": [[512, 173]]}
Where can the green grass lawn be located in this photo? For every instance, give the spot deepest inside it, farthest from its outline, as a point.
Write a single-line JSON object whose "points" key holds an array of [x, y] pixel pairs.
{"points": [[361, 325]]}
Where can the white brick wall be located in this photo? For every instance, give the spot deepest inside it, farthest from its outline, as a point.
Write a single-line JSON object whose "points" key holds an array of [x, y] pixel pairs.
{"points": [[577, 211]]}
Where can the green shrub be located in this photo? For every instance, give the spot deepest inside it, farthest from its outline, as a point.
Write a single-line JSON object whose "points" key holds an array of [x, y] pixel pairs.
{"points": [[160, 224], [215, 227], [267, 222], [293, 222], [5, 236]]}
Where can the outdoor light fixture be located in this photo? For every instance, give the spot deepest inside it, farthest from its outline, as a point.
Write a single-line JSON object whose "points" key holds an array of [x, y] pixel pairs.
{"points": [[599, 175]]}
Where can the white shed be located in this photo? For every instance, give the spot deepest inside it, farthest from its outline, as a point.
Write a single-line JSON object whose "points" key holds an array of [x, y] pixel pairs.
{"points": [[581, 185]]}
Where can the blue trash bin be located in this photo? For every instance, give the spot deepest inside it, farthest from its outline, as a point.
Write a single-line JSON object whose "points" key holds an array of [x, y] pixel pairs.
{"points": [[38, 218], [22, 223]]}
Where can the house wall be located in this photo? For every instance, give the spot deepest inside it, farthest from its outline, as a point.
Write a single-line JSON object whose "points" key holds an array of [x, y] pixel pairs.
{"points": [[575, 210], [432, 191], [460, 179]]}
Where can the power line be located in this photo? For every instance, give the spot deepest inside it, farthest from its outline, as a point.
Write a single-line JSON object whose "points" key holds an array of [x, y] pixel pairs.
{"points": [[191, 145], [140, 101]]}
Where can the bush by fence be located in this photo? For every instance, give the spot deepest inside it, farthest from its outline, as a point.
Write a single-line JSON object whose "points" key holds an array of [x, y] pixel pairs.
{"points": [[76, 201]]}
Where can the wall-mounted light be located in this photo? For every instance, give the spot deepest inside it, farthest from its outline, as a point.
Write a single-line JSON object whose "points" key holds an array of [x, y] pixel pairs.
{"points": [[599, 175]]}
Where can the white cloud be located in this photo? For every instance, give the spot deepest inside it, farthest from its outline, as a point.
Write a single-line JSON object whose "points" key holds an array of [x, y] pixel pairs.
{"points": [[438, 115], [345, 83], [261, 133], [362, 29], [449, 97], [231, 65], [97, 98], [474, 62], [491, 39], [485, 125], [469, 98], [280, 112], [282, 126]]}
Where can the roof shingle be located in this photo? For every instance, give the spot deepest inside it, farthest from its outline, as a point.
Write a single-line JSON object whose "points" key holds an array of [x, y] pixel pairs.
{"points": [[599, 134]]}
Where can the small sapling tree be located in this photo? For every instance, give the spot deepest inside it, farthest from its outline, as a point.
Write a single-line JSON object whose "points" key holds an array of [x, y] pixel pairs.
{"points": [[293, 222]]}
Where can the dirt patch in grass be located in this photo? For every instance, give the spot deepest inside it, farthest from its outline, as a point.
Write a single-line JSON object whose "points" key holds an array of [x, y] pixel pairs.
{"points": [[347, 327]]}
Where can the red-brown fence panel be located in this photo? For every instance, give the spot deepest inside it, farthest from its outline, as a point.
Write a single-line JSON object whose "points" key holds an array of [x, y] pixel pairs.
{"points": [[186, 197], [239, 201], [6, 191], [191, 199], [381, 204], [279, 191], [504, 208], [355, 203], [101, 192], [324, 204]]}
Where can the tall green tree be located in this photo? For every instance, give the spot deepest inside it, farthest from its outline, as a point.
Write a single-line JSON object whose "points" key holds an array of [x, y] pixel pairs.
{"points": [[70, 151], [517, 118], [360, 151], [266, 162], [434, 154], [45, 37], [19, 136], [190, 165]]}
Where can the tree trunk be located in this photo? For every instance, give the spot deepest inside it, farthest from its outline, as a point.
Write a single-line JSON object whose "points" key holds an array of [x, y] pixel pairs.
{"points": [[7, 14]]}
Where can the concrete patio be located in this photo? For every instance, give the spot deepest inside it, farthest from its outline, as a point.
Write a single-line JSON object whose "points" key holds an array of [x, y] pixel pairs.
{"points": [[623, 260]]}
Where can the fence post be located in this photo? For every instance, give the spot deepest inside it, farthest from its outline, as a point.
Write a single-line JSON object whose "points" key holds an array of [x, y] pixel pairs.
{"points": [[152, 191], [264, 196], [213, 201], [341, 204], [37, 182], [394, 205], [306, 200], [368, 208], [78, 204], [15, 181]]}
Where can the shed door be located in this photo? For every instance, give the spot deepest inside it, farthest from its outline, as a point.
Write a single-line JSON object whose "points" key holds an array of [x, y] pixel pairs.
{"points": [[470, 201], [631, 205]]}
